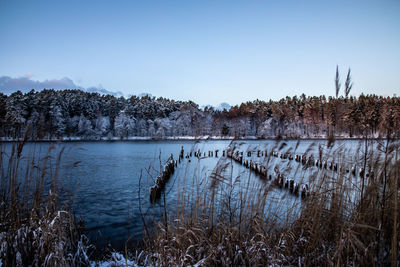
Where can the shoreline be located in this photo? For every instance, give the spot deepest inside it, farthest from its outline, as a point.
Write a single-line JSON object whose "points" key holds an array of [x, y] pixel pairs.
{"points": [[177, 138]]}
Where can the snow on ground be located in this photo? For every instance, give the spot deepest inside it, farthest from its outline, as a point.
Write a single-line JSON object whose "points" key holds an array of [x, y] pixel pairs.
{"points": [[204, 137], [117, 259]]}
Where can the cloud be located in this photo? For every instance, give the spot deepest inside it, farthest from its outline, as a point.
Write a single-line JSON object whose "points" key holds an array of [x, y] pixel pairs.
{"points": [[223, 106], [103, 91], [24, 84]]}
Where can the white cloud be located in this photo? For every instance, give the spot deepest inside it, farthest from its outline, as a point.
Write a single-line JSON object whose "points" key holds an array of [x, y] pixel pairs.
{"points": [[24, 84]]}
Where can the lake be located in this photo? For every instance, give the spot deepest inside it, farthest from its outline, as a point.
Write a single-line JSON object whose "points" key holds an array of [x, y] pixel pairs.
{"points": [[109, 182]]}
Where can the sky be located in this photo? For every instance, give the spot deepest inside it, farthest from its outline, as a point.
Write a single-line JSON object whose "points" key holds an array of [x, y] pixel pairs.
{"points": [[205, 51]]}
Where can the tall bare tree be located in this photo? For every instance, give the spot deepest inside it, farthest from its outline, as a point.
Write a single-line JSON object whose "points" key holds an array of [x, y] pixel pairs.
{"points": [[349, 84], [337, 81]]}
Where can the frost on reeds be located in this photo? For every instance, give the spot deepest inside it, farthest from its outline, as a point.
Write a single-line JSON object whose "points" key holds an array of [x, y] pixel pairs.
{"points": [[35, 228], [350, 217]]}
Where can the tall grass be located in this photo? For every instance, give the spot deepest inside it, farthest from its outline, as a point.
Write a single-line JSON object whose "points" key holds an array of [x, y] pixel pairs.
{"points": [[230, 221], [36, 229], [347, 220]]}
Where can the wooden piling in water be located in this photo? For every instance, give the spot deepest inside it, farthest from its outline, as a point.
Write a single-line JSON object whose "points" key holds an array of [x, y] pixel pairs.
{"points": [[162, 178], [291, 185], [305, 191], [181, 154]]}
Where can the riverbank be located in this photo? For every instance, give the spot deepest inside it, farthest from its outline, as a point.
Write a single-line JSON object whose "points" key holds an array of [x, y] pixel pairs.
{"points": [[179, 138]]}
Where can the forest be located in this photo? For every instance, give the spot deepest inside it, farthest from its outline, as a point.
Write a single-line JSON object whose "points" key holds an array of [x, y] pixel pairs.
{"points": [[56, 114]]}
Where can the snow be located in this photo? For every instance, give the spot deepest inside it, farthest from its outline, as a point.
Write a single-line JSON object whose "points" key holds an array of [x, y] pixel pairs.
{"points": [[117, 259], [52, 114]]}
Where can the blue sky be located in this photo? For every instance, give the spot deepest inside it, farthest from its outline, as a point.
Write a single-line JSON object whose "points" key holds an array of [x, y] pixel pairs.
{"points": [[206, 51]]}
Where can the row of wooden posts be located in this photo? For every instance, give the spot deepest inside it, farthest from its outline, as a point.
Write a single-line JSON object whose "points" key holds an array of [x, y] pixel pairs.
{"points": [[279, 179], [290, 184], [169, 168], [199, 154], [310, 161], [322, 164]]}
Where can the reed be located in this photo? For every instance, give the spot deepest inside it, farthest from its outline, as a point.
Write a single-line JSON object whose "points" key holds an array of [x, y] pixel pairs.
{"points": [[347, 220], [36, 228]]}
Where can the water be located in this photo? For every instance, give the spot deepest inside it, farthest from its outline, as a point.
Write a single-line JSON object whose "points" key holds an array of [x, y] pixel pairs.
{"points": [[109, 181]]}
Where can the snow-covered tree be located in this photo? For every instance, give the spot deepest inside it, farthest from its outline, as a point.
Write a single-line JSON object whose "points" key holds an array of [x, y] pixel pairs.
{"points": [[85, 126], [103, 125]]}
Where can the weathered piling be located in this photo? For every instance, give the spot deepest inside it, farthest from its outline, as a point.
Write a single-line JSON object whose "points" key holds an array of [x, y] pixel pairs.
{"points": [[162, 178], [296, 189], [280, 180], [305, 191], [310, 161], [181, 154], [304, 159], [362, 172], [353, 170], [291, 185]]}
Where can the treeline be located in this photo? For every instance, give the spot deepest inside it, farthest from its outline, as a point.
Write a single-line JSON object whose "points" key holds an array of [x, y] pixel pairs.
{"points": [[75, 113]]}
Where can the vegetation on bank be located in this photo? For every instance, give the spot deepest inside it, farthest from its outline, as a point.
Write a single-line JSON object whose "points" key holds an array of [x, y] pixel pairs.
{"points": [[75, 113], [36, 229]]}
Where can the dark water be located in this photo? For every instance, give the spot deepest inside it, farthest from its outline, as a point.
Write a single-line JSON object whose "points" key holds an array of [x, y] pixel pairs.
{"points": [[109, 181]]}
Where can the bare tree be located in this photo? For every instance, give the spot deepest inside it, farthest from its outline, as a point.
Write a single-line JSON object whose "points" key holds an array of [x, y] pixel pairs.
{"points": [[337, 81], [348, 84]]}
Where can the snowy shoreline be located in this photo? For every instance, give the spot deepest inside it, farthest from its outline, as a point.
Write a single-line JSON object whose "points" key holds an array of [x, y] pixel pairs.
{"points": [[174, 138]]}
